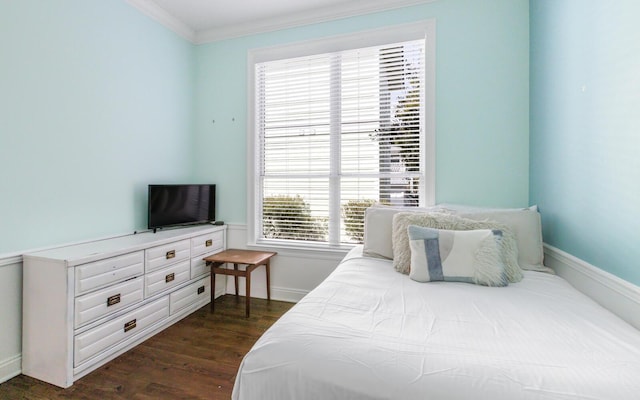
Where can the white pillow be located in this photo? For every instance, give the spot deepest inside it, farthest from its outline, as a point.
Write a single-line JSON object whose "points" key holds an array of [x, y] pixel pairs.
{"points": [[527, 228], [378, 220], [457, 256]]}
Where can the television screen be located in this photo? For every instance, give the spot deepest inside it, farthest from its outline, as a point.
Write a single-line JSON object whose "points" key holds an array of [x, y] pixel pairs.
{"points": [[180, 205]]}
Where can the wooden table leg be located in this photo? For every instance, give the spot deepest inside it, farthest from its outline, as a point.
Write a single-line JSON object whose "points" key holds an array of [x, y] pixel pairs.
{"points": [[266, 266], [235, 277], [213, 288], [248, 290]]}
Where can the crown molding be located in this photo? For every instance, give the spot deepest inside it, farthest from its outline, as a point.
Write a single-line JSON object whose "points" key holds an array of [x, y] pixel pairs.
{"points": [[325, 14], [155, 12], [346, 10]]}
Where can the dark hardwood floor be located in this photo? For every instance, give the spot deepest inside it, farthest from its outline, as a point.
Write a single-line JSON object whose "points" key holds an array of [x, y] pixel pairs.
{"points": [[196, 358]]}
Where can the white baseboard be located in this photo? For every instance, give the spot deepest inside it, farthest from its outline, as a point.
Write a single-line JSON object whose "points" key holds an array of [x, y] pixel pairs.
{"points": [[615, 294], [286, 294], [10, 368], [277, 293], [220, 292]]}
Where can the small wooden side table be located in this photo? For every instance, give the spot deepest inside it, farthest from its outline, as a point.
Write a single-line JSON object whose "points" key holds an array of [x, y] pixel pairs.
{"points": [[251, 258]]}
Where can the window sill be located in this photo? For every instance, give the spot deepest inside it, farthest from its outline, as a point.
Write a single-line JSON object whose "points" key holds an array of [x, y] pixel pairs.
{"points": [[303, 250]]}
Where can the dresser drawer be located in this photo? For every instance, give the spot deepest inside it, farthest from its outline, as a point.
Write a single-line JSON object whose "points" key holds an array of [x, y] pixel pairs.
{"points": [[209, 243], [199, 267], [106, 272], [100, 338], [97, 304], [197, 292], [156, 282], [161, 256]]}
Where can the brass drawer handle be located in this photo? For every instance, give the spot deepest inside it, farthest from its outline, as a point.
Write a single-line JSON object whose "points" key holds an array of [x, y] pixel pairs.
{"points": [[171, 254], [201, 289], [208, 243], [129, 325], [115, 299], [170, 277]]}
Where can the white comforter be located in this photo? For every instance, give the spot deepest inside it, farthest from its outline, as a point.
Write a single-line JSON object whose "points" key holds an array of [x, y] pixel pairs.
{"points": [[368, 332]]}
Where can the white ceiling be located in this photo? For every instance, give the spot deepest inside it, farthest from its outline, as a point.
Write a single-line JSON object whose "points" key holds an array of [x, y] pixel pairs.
{"points": [[201, 21]]}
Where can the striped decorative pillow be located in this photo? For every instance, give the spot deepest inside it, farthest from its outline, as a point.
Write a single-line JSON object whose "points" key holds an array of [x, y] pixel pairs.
{"points": [[471, 256]]}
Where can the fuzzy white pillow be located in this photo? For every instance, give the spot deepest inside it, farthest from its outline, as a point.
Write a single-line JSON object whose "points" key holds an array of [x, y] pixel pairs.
{"points": [[402, 251], [456, 256]]}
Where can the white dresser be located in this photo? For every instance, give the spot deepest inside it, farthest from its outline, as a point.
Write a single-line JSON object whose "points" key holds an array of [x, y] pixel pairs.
{"points": [[85, 304]]}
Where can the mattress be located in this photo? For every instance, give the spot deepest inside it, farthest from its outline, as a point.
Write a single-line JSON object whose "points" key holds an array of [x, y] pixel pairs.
{"points": [[369, 332]]}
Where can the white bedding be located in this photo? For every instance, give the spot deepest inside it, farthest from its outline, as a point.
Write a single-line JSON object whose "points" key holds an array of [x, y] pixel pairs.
{"points": [[369, 332]]}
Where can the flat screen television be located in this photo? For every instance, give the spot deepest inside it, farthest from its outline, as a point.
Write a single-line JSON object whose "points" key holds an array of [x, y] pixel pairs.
{"points": [[172, 205]]}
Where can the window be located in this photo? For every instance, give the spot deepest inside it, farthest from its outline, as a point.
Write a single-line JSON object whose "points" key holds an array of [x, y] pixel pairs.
{"points": [[335, 131]]}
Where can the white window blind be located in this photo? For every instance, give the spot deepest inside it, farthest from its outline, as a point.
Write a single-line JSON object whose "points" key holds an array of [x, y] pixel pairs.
{"points": [[337, 132]]}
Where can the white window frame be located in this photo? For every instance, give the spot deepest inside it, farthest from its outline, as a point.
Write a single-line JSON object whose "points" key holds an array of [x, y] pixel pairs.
{"points": [[398, 33]]}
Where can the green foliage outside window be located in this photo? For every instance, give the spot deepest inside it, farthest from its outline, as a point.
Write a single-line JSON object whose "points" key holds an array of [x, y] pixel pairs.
{"points": [[289, 217], [353, 215]]}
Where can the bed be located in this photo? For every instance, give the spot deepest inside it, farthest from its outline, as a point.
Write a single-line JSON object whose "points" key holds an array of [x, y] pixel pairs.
{"points": [[369, 332]]}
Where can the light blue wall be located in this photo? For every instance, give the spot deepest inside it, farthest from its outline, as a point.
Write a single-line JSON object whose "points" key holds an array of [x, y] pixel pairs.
{"points": [[482, 101], [585, 129], [96, 101]]}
